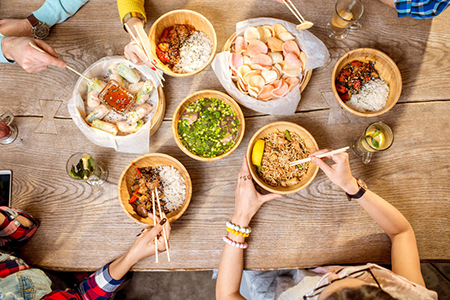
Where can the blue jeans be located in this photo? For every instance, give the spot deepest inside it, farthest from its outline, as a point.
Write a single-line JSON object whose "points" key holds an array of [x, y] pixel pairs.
{"points": [[30, 284]]}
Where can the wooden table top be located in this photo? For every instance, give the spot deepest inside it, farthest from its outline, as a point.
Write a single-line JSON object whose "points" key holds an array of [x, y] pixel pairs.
{"points": [[317, 226]]}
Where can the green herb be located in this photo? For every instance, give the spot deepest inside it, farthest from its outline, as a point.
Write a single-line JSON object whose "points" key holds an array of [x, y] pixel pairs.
{"points": [[300, 167], [288, 135], [375, 143], [83, 169], [211, 129]]}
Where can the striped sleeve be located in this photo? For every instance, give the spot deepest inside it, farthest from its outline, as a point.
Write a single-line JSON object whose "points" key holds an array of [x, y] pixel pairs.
{"points": [[420, 9], [100, 285], [127, 6]]}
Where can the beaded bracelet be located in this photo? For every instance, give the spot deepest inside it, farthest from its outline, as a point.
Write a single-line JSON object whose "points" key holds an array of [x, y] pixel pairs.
{"points": [[237, 228], [235, 232], [235, 244]]}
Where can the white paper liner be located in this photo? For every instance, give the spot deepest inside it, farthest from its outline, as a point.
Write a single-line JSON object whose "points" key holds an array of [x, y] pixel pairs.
{"points": [[316, 56], [138, 142]]}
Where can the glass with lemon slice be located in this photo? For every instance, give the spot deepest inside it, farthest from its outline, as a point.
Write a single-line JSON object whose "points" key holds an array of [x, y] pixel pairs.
{"points": [[377, 137], [82, 166], [345, 17]]}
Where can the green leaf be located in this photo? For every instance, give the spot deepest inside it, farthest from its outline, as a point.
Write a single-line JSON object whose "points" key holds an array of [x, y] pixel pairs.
{"points": [[375, 143], [377, 132], [288, 135]]}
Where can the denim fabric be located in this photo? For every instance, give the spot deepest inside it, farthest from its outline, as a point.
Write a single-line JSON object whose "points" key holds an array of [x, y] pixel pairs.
{"points": [[31, 284]]}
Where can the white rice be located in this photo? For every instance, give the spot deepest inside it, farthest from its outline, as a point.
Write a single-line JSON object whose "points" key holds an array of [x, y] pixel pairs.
{"points": [[194, 53], [174, 187], [372, 96]]}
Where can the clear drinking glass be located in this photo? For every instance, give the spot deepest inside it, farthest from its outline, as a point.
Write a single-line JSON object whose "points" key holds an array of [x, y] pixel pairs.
{"points": [[377, 137], [82, 166], [8, 130], [345, 18]]}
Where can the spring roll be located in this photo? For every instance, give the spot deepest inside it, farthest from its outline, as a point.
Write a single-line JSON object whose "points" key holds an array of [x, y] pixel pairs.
{"points": [[126, 127], [140, 112], [116, 77], [144, 93], [128, 73], [94, 89], [105, 126], [98, 113], [135, 87]]}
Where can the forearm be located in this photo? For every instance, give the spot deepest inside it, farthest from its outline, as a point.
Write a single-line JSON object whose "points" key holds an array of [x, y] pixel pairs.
{"points": [[57, 11], [120, 267], [231, 265]]}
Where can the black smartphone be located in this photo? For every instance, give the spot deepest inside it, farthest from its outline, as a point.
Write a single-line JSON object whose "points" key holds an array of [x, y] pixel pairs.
{"points": [[5, 187]]}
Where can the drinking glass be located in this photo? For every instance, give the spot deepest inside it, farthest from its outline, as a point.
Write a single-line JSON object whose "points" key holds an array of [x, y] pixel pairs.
{"points": [[345, 18], [8, 130], [82, 166], [377, 137]]}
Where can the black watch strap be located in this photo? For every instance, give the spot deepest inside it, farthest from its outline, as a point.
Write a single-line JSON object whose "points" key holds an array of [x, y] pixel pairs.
{"points": [[362, 190], [33, 21]]}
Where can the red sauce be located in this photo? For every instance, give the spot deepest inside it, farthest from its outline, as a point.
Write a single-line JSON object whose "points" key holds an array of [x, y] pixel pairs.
{"points": [[117, 97]]}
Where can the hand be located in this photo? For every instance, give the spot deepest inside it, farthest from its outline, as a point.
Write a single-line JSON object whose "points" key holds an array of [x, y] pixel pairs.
{"points": [[145, 243], [15, 27], [134, 53], [248, 200], [30, 59], [339, 173]]}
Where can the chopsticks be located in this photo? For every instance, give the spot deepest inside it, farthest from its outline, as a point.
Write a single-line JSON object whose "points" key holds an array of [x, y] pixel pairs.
{"points": [[303, 23], [154, 224], [161, 214], [145, 48], [297, 162], [68, 67]]}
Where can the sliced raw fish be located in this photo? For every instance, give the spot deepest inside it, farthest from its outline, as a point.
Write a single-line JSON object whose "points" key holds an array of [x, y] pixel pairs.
{"points": [[256, 47], [263, 60], [291, 47]]}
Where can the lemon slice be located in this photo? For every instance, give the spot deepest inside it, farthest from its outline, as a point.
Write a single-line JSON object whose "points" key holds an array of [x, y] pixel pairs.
{"points": [[257, 152], [375, 138]]}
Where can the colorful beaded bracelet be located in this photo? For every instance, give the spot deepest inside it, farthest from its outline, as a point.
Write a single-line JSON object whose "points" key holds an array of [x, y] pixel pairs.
{"points": [[238, 233], [235, 244], [238, 228]]}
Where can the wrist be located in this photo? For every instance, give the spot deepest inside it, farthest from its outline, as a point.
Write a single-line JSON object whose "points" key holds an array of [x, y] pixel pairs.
{"points": [[129, 259], [6, 47], [351, 187], [241, 219]]}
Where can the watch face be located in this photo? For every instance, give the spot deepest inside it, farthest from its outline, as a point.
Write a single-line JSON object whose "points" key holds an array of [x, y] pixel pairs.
{"points": [[362, 184], [40, 31]]}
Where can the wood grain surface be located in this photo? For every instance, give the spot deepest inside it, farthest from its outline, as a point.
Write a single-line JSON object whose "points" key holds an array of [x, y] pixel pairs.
{"points": [[82, 230]]}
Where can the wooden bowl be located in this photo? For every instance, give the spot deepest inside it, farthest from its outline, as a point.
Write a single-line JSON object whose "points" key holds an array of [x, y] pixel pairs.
{"points": [[182, 16], [310, 143], [158, 117], [306, 77], [207, 94], [127, 178], [385, 66]]}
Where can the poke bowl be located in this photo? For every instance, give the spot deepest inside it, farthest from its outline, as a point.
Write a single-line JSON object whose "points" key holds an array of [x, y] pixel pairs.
{"points": [[272, 148], [366, 82], [183, 42], [172, 178], [208, 125]]}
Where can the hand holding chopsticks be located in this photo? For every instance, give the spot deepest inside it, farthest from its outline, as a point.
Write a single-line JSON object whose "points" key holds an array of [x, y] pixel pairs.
{"points": [[303, 23], [330, 153]]}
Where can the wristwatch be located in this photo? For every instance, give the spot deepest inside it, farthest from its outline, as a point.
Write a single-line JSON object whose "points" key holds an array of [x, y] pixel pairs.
{"points": [[39, 30], [362, 189], [130, 15]]}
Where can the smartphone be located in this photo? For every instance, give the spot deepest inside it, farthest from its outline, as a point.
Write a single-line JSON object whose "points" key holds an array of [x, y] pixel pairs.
{"points": [[5, 187]]}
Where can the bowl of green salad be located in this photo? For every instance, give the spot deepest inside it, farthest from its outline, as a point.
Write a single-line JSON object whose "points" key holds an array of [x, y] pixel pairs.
{"points": [[208, 125]]}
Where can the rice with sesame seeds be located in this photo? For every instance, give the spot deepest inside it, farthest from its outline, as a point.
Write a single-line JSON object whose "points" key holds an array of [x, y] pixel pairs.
{"points": [[194, 53]]}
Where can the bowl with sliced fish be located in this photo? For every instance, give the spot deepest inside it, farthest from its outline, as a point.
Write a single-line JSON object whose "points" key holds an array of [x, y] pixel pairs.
{"points": [[152, 177], [208, 125], [272, 149]]}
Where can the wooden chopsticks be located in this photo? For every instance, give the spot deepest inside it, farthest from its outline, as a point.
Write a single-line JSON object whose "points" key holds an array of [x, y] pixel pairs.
{"points": [[68, 67], [154, 224], [161, 215], [297, 162], [303, 23], [142, 43]]}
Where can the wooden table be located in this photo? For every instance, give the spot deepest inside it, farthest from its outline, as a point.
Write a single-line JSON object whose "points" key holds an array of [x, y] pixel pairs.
{"points": [[317, 226]]}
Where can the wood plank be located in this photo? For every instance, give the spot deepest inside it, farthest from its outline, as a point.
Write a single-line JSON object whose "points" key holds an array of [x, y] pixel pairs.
{"points": [[82, 231], [444, 268], [419, 47], [435, 281]]}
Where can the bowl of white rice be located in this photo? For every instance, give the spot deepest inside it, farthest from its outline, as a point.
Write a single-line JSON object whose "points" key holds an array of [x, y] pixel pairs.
{"points": [[376, 96], [174, 178]]}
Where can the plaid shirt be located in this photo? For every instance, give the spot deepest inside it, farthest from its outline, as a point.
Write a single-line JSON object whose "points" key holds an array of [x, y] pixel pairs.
{"points": [[98, 286], [418, 9]]}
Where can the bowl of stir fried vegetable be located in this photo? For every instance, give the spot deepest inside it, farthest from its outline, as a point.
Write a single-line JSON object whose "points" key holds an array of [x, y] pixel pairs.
{"points": [[141, 179], [208, 125], [356, 70], [270, 152]]}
